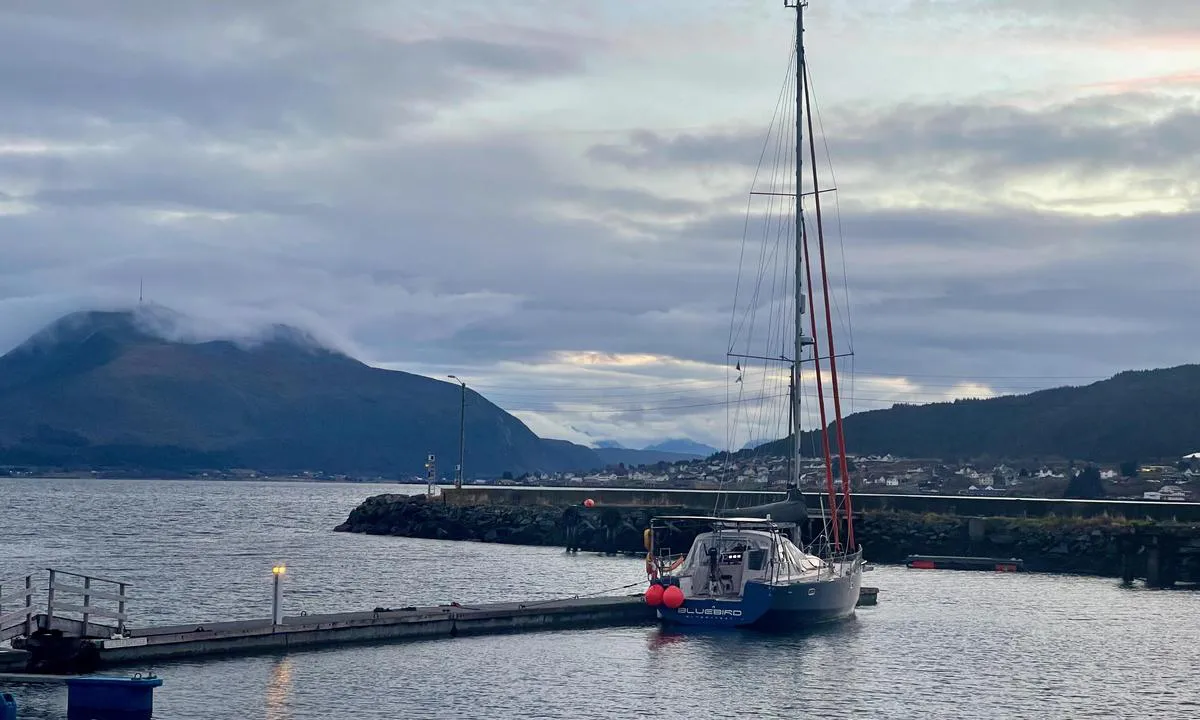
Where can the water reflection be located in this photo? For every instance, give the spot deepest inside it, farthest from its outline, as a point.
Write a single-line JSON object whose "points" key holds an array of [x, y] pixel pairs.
{"points": [[279, 690], [939, 644], [661, 638]]}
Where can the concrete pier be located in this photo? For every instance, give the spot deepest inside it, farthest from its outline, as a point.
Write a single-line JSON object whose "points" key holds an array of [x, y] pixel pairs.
{"points": [[964, 505], [62, 646], [1162, 556], [312, 631], [179, 642]]}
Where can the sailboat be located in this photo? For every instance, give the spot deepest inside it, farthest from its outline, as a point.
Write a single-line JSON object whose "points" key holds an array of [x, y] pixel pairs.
{"points": [[749, 569]]}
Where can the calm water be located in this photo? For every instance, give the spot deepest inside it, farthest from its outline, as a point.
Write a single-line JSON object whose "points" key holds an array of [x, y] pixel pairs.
{"points": [[939, 644]]}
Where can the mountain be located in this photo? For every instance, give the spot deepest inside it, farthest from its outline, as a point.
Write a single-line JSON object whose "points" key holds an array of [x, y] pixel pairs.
{"points": [[632, 458], [131, 389], [1134, 415], [683, 446], [612, 452]]}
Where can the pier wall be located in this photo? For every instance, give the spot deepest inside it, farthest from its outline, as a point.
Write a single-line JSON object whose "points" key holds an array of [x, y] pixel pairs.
{"points": [[704, 500], [1088, 542]]}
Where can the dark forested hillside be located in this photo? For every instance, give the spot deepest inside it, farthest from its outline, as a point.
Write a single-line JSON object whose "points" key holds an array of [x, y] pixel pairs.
{"points": [[106, 389], [1133, 415]]}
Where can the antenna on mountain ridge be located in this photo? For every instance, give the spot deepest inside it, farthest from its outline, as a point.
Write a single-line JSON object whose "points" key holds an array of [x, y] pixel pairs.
{"points": [[141, 285]]}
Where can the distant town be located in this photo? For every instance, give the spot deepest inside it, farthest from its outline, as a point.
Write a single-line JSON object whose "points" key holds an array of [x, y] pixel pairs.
{"points": [[873, 474], [882, 474]]}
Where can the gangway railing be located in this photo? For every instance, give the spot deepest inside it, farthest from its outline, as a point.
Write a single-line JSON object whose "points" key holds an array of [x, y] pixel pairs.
{"points": [[86, 597], [16, 607]]}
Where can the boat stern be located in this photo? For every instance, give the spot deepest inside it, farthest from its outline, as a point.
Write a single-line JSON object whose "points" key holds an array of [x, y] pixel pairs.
{"points": [[716, 612]]}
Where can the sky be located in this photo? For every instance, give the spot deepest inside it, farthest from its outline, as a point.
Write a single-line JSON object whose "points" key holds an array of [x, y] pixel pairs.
{"points": [[549, 199]]}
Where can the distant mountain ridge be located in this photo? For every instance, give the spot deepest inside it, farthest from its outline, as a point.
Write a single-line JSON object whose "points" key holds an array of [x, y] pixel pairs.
{"points": [[683, 446], [668, 451], [1134, 415], [633, 458], [108, 388]]}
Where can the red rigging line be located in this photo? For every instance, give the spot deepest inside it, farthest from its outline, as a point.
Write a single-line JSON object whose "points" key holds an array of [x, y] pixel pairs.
{"points": [[812, 319], [837, 403], [802, 246]]}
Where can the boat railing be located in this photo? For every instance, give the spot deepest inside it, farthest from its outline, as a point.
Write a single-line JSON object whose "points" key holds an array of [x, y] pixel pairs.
{"points": [[666, 561]]}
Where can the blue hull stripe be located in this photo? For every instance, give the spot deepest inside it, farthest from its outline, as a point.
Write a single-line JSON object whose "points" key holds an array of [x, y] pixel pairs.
{"points": [[772, 606]]}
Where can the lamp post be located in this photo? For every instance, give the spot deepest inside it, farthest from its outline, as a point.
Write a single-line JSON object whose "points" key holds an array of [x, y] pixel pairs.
{"points": [[277, 596], [462, 431]]}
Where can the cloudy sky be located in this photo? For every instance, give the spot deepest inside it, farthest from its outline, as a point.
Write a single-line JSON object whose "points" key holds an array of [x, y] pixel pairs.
{"points": [[549, 198]]}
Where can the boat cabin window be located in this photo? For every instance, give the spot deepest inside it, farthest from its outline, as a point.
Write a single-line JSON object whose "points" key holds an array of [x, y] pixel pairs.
{"points": [[729, 550], [733, 556]]}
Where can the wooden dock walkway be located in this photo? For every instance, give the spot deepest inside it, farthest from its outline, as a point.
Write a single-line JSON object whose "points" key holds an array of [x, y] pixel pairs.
{"points": [[64, 637], [418, 623], [57, 645]]}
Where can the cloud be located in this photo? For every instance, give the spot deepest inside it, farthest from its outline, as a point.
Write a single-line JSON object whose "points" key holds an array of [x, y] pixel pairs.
{"points": [[1110, 14], [426, 190], [259, 69], [646, 149], [976, 153]]}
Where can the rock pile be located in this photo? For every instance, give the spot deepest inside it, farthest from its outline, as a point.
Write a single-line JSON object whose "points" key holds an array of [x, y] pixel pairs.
{"points": [[617, 530]]}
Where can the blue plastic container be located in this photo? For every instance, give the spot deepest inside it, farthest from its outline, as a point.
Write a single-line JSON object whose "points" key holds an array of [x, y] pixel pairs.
{"points": [[8, 707], [98, 697]]}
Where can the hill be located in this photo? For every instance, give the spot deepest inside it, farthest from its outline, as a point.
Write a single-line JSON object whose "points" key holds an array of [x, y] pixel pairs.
{"points": [[683, 446], [109, 389], [634, 458], [1134, 415]]}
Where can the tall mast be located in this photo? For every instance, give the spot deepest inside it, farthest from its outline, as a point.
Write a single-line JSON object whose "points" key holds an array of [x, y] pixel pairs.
{"points": [[798, 284]]}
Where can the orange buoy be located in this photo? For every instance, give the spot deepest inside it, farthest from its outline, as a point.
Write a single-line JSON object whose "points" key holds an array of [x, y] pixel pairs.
{"points": [[672, 597], [589, 503], [654, 595]]}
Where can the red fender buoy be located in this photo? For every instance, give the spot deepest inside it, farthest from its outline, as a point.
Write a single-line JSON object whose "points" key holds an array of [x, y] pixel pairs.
{"points": [[654, 595], [672, 597]]}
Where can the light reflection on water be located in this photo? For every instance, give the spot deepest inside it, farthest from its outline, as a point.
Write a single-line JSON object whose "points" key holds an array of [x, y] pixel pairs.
{"points": [[939, 644], [279, 689]]}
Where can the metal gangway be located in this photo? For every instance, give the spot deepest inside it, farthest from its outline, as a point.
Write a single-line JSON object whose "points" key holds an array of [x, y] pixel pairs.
{"points": [[73, 602]]}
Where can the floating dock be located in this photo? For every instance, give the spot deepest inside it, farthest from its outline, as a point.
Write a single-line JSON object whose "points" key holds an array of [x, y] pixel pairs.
{"points": [[178, 642], [55, 646], [308, 631], [952, 562]]}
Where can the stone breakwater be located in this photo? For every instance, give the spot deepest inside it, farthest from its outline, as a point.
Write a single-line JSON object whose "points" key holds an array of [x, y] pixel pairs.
{"points": [[591, 529], [1067, 545], [1090, 546]]}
